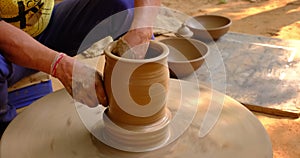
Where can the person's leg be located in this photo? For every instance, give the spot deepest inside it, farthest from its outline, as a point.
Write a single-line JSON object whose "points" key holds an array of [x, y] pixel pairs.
{"points": [[9, 74], [72, 20], [6, 112]]}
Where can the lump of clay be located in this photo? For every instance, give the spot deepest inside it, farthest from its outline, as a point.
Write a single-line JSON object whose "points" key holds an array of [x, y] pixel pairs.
{"points": [[97, 48]]}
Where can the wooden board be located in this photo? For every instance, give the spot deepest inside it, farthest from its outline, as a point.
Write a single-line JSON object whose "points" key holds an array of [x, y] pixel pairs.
{"points": [[30, 80]]}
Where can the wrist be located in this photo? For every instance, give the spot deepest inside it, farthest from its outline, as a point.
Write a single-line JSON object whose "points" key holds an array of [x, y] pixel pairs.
{"points": [[57, 59], [64, 67]]}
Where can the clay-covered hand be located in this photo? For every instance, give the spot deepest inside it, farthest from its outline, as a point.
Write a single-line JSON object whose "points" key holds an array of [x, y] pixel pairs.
{"points": [[82, 82], [134, 44]]}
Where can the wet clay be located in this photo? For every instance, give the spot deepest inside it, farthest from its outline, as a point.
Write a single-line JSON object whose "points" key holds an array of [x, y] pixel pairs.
{"points": [[51, 127], [137, 88]]}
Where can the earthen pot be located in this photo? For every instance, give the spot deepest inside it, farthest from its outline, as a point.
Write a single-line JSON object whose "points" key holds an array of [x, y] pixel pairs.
{"points": [[185, 55], [137, 88], [208, 27]]}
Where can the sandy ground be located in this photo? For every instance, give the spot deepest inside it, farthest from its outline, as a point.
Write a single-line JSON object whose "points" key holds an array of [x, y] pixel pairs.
{"points": [[271, 18]]}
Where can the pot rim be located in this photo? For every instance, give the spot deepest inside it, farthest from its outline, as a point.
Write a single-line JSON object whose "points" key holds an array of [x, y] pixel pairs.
{"points": [[164, 53], [209, 29], [207, 52]]}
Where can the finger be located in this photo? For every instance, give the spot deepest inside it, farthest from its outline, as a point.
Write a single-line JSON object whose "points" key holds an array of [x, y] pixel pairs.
{"points": [[91, 100], [140, 50], [87, 99], [100, 90]]}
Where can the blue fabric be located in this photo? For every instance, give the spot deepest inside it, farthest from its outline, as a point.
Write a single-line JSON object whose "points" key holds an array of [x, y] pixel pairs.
{"points": [[71, 21], [5, 69], [9, 74]]}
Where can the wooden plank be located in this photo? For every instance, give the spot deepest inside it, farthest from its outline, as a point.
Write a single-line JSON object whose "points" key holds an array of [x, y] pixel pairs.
{"points": [[30, 80], [272, 111]]}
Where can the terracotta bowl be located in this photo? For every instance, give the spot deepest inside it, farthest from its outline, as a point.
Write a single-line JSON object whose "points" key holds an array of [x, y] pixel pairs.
{"points": [[185, 55], [208, 27]]}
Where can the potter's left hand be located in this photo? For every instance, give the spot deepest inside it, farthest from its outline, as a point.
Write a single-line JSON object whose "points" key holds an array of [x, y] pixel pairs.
{"points": [[88, 86], [134, 44]]}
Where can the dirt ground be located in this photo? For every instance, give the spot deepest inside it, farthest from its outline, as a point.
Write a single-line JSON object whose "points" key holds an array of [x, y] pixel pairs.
{"points": [[270, 18]]}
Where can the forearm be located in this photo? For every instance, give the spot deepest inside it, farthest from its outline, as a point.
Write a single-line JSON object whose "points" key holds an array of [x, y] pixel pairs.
{"points": [[20, 48], [145, 13], [140, 3]]}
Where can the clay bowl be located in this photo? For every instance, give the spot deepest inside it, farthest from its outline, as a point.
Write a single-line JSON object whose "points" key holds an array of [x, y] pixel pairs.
{"points": [[185, 55], [208, 27]]}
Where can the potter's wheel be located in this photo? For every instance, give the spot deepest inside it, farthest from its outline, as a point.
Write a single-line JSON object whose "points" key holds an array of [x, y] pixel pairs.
{"points": [[51, 127]]}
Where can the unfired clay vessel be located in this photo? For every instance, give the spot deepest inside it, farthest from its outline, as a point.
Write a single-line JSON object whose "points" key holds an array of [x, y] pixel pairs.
{"points": [[208, 27], [137, 118], [137, 88], [185, 55]]}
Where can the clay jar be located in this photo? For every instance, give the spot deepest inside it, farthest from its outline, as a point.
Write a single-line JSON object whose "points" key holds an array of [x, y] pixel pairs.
{"points": [[137, 88]]}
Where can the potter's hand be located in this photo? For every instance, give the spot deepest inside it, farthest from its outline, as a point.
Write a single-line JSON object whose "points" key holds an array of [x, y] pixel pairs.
{"points": [[83, 83], [134, 44]]}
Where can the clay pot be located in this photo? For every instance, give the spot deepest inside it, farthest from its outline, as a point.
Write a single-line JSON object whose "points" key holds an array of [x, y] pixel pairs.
{"points": [[137, 88], [207, 27], [185, 55]]}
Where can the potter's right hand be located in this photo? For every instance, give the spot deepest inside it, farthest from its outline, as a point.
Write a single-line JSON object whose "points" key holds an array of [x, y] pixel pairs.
{"points": [[134, 44], [85, 85]]}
